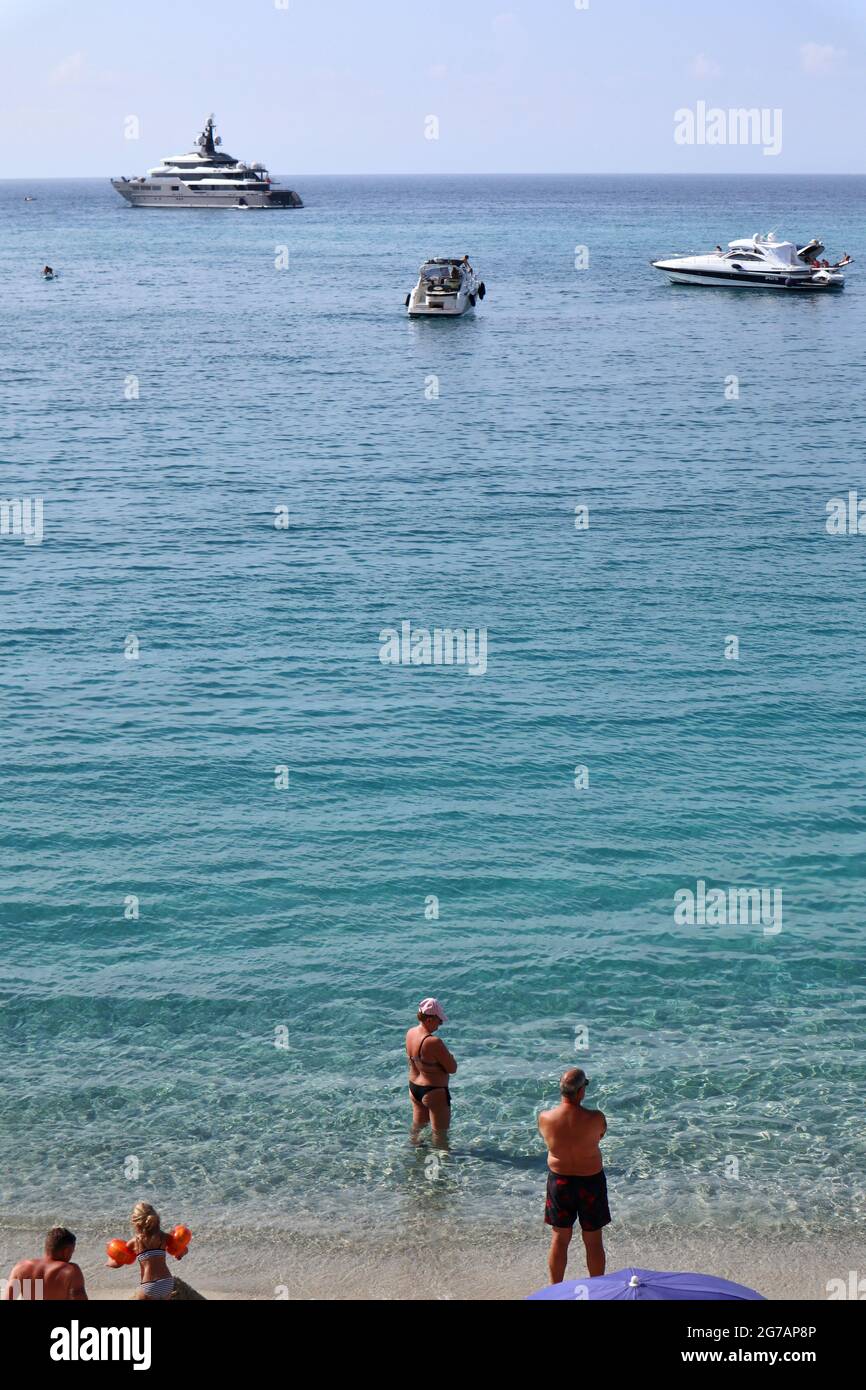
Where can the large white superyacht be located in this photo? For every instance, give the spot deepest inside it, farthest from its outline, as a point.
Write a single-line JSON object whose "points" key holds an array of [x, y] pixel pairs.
{"points": [[206, 178]]}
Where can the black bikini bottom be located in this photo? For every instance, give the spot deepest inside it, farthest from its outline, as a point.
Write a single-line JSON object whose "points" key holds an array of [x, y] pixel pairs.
{"points": [[419, 1092]]}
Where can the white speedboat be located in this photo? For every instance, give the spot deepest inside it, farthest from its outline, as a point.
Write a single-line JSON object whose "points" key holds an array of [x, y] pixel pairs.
{"points": [[759, 262], [446, 287]]}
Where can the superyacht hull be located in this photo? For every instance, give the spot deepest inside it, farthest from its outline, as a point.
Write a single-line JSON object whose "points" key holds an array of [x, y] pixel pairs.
{"points": [[139, 197]]}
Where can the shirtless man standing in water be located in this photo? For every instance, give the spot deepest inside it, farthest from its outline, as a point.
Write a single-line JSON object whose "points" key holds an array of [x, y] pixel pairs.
{"points": [[576, 1184], [430, 1066]]}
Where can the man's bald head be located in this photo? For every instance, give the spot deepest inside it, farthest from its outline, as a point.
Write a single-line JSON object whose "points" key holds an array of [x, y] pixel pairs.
{"points": [[573, 1083]]}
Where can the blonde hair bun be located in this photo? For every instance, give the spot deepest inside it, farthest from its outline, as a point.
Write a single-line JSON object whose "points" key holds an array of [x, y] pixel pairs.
{"points": [[145, 1221]]}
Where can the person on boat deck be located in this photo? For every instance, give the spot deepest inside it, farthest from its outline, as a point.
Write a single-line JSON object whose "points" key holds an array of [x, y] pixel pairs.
{"points": [[465, 263], [719, 251]]}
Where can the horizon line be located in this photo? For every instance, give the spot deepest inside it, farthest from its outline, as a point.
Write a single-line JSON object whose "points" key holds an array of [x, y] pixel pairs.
{"points": [[509, 174]]}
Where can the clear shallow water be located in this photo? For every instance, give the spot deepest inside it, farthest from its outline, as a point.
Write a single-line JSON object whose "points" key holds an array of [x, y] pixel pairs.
{"points": [[304, 908]]}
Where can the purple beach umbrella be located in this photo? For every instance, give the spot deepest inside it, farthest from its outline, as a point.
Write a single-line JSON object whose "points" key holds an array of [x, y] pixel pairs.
{"points": [[648, 1286]]}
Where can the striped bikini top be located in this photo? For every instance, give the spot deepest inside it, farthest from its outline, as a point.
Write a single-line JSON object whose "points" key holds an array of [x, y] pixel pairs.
{"points": [[149, 1254]]}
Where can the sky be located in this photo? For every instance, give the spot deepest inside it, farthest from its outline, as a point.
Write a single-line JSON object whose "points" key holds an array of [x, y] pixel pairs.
{"points": [[420, 87]]}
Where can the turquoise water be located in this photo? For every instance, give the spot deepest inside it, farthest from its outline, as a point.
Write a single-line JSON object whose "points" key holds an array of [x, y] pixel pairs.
{"points": [[264, 909]]}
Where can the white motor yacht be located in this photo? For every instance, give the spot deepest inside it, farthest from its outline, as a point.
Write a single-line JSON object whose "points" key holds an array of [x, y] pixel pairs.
{"points": [[446, 287], [206, 177], [759, 262]]}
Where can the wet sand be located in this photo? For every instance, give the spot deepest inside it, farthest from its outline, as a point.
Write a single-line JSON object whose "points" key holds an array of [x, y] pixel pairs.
{"points": [[490, 1267]]}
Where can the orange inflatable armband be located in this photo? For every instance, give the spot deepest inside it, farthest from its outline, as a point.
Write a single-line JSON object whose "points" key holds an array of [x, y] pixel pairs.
{"points": [[178, 1240], [119, 1251]]}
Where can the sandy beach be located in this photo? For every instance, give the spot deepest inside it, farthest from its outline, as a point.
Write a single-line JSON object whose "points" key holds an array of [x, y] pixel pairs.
{"points": [[486, 1267]]}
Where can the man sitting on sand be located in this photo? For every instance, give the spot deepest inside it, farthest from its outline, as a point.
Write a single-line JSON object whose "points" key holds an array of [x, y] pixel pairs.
{"points": [[576, 1184], [53, 1277]]}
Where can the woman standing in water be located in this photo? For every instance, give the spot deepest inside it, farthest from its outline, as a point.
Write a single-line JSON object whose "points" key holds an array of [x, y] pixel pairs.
{"points": [[430, 1066]]}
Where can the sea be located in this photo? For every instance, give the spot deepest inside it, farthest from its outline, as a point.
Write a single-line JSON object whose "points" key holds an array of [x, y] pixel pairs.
{"points": [[239, 847]]}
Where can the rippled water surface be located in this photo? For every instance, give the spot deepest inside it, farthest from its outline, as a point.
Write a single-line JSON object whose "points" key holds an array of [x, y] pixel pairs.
{"points": [[730, 1061]]}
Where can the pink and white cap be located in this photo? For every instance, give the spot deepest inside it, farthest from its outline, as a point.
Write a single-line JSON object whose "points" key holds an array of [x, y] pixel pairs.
{"points": [[432, 1006]]}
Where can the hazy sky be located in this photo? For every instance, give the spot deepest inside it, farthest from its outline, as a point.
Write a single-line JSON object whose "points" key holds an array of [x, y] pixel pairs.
{"points": [[346, 86]]}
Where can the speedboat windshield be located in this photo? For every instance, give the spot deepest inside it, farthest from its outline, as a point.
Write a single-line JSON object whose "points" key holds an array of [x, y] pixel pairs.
{"points": [[761, 249], [434, 270]]}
